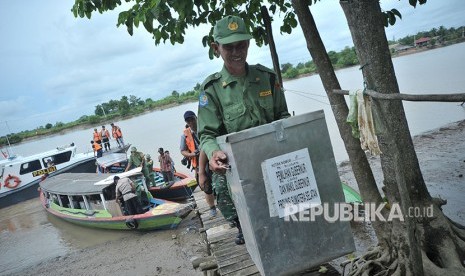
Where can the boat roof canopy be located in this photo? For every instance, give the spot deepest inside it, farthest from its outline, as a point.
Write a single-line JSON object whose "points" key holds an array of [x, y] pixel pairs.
{"points": [[82, 183], [112, 158]]}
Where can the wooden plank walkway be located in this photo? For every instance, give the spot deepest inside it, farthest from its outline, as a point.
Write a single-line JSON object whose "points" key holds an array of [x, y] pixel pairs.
{"points": [[232, 259]]}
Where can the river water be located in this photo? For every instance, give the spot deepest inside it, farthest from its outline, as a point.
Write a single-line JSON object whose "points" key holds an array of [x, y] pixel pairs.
{"points": [[28, 235]]}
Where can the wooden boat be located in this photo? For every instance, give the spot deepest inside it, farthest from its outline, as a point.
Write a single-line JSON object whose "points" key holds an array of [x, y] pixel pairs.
{"points": [[88, 199], [180, 189], [20, 176]]}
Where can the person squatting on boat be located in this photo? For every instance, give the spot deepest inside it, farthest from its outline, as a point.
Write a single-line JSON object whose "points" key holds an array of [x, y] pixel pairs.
{"points": [[137, 159], [238, 97], [125, 188], [117, 134], [105, 135], [190, 149]]}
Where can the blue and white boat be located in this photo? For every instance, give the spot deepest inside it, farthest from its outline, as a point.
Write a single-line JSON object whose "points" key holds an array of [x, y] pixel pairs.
{"points": [[20, 176]]}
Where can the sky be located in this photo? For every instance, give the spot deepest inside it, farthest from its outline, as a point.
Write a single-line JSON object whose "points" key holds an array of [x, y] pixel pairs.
{"points": [[55, 67]]}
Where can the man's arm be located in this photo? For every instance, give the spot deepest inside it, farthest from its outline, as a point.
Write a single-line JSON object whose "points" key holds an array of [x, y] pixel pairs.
{"points": [[129, 164], [210, 126], [184, 150], [210, 123], [142, 157], [117, 192]]}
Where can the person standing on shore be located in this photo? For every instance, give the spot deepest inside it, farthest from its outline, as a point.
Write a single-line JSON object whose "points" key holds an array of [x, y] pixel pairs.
{"points": [[190, 148], [117, 134], [105, 135], [239, 97]]}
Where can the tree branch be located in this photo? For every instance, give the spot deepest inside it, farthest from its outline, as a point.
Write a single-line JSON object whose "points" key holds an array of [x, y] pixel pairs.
{"points": [[459, 97]]}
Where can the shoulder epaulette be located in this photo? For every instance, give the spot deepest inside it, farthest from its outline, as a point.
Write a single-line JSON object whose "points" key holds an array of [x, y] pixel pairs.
{"points": [[210, 79], [264, 69]]}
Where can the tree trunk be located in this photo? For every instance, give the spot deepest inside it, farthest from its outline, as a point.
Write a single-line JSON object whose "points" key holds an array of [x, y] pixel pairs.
{"points": [[362, 171], [269, 32]]}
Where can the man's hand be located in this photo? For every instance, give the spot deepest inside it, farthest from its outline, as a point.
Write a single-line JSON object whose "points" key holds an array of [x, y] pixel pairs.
{"points": [[219, 162]]}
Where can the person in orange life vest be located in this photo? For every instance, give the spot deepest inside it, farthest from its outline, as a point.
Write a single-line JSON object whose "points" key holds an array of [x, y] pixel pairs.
{"points": [[105, 138], [190, 149], [165, 166], [117, 134], [97, 137], [98, 152]]}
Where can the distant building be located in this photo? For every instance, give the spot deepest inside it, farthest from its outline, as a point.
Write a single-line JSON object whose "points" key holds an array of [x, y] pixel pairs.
{"points": [[396, 48], [422, 41]]}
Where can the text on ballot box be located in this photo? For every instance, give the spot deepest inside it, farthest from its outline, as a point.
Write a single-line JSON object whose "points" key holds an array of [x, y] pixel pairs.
{"points": [[290, 183]]}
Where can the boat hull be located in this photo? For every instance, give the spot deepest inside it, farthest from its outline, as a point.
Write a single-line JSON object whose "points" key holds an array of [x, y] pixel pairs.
{"points": [[165, 216], [21, 194], [180, 190]]}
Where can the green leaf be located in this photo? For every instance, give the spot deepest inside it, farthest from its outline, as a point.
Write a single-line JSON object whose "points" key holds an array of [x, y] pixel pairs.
{"points": [[148, 23], [396, 12], [75, 11], [293, 22], [129, 25], [413, 3], [122, 17], [273, 8], [392, 18], [136, 21]]}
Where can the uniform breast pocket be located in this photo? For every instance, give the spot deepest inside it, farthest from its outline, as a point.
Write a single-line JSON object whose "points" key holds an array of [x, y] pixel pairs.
{"points": [[266, 103], [233, 114]]}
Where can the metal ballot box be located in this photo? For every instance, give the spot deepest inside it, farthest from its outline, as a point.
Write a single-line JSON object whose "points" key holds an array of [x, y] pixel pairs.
{"points": [[282, 175]]}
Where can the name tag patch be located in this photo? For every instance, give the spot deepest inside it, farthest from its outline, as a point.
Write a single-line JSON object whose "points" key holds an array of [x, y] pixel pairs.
{"points": [[265, 93]]}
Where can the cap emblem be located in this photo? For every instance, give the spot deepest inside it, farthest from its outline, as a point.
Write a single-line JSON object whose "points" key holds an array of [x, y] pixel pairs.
{"points": [[233, 26]]}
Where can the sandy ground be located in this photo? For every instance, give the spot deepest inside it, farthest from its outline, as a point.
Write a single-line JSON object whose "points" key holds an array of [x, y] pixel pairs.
{"points": [[442, 160]]}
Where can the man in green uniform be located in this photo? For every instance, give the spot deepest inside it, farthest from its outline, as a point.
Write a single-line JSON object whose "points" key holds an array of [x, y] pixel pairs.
{"points": [[238, 97], [137, 159]]}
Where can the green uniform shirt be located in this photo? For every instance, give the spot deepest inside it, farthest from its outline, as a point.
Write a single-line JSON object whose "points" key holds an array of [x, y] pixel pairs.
{"points": [[136, 159], [228, 103]]}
